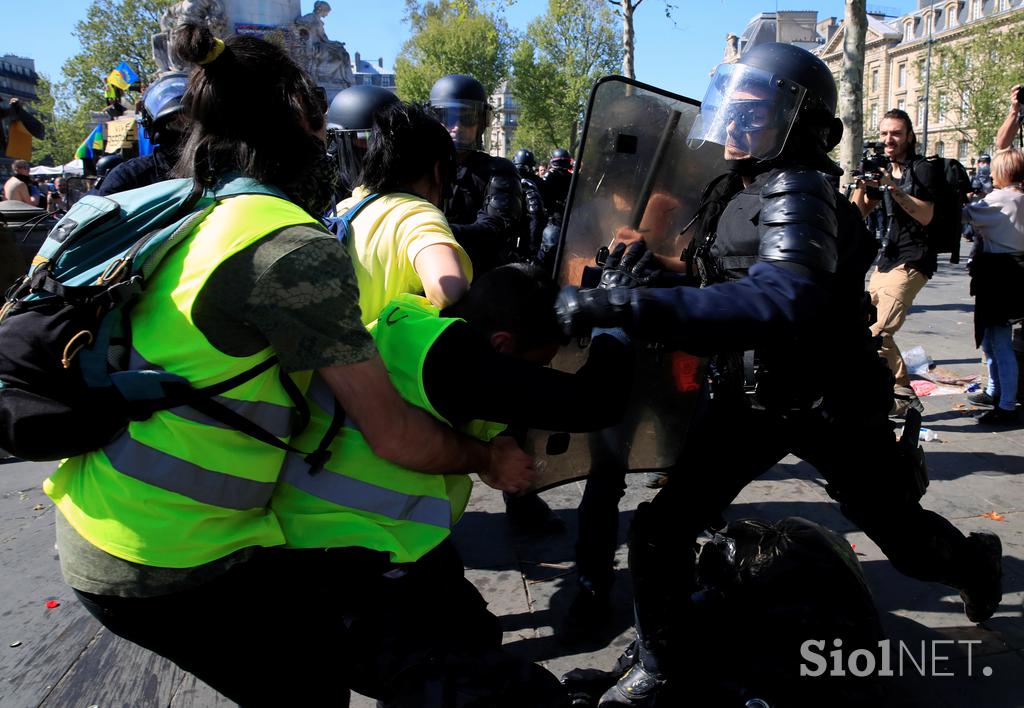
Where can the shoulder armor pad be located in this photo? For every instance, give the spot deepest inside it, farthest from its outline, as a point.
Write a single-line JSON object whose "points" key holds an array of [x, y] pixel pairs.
{"points": [[798, 222]]}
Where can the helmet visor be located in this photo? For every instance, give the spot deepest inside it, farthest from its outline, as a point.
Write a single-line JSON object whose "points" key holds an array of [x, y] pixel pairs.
{"points": [[747, 110], [348, 147], [464, 120], [163, 92]]}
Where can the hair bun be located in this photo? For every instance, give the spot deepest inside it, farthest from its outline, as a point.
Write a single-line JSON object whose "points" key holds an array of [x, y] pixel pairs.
{"points": [[192, 42]]}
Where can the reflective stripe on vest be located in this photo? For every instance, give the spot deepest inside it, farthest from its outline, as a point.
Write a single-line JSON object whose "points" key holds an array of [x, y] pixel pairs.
{"points": [[149, 465], [178, 490], [363, 496], [274, 418], [359, 499]]}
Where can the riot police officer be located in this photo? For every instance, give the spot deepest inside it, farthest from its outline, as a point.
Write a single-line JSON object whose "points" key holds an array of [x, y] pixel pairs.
{"points": [[557, 181], [533, 200], [161, 118], [349, 123], [486, 208], [783, 259], [104, 166]]}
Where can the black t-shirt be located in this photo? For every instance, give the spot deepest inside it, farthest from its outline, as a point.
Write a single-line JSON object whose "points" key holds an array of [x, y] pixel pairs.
{"points": [[908, 240]]}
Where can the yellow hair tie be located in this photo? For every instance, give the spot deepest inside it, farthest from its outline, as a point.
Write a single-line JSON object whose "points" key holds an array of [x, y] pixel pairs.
{"points": [[218, 48]]}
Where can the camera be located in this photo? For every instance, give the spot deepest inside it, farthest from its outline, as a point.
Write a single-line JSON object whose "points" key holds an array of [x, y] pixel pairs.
{"points": [[873, 162], [1020, 95]]}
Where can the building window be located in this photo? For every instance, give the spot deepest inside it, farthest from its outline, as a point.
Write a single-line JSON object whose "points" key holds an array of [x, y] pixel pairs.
{"points": [[951, 15], [961, 150], [965, 106], [940, 149], [874, 115], [901, 103], [874, 80], [941, 108], [908, 30], [920, 110], [901, 76], [976, 10]]}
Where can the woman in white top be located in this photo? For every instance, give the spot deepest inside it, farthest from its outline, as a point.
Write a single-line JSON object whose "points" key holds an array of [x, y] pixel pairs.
{"points": [[997, 271]]}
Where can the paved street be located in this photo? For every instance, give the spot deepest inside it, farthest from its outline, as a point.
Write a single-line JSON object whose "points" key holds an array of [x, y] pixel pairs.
{"points": [[61, 657]]}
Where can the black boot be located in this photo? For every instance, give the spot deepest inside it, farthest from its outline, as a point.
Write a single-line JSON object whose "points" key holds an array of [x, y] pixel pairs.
{"points": [[985, 591]]}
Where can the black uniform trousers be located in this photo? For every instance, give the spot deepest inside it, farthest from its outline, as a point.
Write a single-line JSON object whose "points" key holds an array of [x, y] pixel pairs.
{"points": [[866, 469]]}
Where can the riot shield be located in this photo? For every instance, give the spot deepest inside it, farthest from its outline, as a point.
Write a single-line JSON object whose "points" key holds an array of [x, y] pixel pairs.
{"points": [[635, 172]]}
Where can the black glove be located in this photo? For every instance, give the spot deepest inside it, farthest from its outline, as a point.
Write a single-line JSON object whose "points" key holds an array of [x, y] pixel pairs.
{"points": [[579, 311], [630, 267]]}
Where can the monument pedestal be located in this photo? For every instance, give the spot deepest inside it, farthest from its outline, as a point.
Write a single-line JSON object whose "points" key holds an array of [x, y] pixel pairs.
{"points": [[279, 21]]}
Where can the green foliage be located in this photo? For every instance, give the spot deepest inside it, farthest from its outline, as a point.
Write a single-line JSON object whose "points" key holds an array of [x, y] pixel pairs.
{"points": [[66, 124], [555, 66], [112, 31], [974, 75], [451, 37]]}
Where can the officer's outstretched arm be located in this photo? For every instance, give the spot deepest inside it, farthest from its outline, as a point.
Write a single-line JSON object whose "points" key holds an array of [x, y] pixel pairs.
{"points": [[411, 438]]}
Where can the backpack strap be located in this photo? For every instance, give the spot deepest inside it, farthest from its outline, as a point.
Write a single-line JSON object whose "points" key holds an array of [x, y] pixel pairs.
{"points": [[339, 225]]}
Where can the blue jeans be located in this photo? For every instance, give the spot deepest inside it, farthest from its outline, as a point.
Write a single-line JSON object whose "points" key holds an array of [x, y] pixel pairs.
{"points": [[1002, 365]]}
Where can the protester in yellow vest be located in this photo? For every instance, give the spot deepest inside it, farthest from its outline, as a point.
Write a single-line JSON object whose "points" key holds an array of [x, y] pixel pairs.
{"points": [[401, 242], [165, 534], [391, 570]]}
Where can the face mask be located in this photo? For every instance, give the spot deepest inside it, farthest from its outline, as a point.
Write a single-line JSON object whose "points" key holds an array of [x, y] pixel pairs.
{"points": [[316, 188]]}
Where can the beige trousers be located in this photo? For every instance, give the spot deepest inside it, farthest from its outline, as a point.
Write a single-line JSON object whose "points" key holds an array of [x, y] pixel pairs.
{"points": [[892, 294]]}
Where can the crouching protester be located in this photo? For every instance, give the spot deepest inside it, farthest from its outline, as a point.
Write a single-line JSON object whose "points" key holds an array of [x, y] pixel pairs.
{"points": [[417, 633], [165, 533]]}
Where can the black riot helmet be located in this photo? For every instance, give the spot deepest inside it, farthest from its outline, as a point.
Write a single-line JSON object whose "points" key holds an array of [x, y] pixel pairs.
{"points": [[105, 165], [525, 164], [349, 126], [162, 102], [460, 103], [524, 157], [777, 98], [560, 159]]}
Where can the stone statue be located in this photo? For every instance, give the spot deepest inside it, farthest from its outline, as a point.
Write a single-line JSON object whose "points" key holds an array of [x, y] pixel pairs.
{"points": [[327, 60], [732, 49], [208, 12]]}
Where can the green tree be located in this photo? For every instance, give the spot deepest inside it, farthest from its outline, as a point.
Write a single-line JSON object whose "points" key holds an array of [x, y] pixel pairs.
{"points": [[65, 121], [971, 81], [625, 9], [554, 67], [451, 37], [112, 31]]}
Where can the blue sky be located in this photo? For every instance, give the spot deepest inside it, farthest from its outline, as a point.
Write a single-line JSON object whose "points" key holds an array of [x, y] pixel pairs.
{"points": [[675, 56]]}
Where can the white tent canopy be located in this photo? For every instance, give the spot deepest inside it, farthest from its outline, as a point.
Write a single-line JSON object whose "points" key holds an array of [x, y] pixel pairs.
{"points": [[73, 168]]}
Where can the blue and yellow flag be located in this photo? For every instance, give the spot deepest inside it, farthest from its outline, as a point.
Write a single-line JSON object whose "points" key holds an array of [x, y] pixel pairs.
{"points": [[94, 141], [122, 76]]}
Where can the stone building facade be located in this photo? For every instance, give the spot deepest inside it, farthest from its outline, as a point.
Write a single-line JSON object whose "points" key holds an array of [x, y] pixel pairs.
{"points": [[18, 78], [504, 121], [895, 56]]}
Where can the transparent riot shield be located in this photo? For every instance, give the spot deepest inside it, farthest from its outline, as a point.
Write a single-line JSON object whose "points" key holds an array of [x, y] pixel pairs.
{"points": [[635, 173]]}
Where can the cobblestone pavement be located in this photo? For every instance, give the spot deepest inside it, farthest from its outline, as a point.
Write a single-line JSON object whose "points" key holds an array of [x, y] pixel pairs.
{"points": [[60, 656]]}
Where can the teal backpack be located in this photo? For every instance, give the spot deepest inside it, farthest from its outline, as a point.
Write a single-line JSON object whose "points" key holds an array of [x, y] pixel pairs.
{"points": [[65, 339]]}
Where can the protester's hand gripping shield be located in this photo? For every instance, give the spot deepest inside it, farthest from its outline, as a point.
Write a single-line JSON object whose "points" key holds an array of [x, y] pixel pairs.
{"points": [[636, 177]]}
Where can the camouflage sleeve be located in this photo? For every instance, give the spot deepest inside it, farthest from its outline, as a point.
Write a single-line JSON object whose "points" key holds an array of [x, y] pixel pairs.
{"points": [[295, 290], [307, 305]]}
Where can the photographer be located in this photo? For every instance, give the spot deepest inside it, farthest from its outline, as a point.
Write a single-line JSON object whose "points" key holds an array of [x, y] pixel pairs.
{"points": [[907, 260]]}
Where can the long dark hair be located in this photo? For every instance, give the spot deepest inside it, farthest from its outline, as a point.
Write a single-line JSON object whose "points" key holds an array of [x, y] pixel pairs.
{"points": [[898, 114], [407, 141], [253, 110]]}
